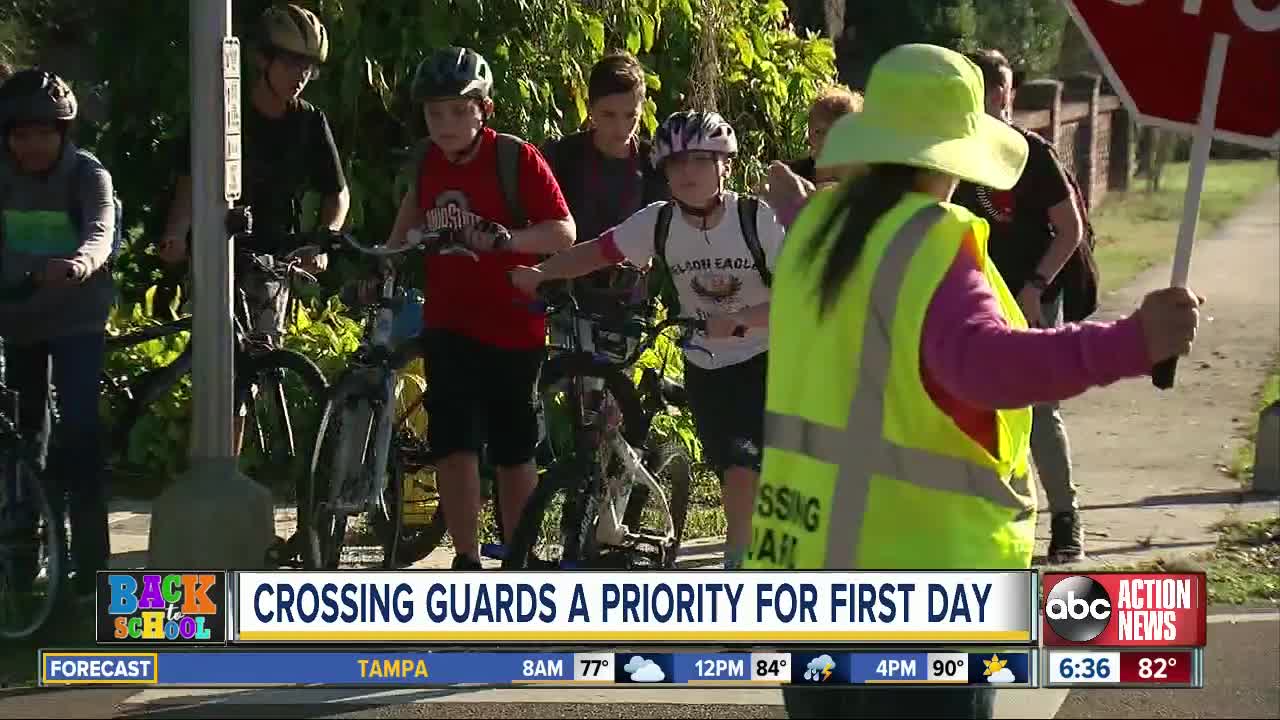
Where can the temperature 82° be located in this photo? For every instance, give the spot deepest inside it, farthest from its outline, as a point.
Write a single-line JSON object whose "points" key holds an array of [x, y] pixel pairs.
{"points": [[949, 666]]}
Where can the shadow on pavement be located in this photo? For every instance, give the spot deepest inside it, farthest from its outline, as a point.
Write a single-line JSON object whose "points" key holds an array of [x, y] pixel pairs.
{"points": [[1212, 497]]}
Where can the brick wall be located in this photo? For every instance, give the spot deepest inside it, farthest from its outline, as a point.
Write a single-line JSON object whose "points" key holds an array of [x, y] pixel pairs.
{"points": [[1089, 127]]}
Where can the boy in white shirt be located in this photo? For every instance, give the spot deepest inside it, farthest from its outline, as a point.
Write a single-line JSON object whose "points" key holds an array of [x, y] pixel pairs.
{"points": [[717, 267]]}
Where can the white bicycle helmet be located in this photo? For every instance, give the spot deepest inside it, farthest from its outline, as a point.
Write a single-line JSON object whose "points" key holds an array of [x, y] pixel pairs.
{"points": [[693, 130]]}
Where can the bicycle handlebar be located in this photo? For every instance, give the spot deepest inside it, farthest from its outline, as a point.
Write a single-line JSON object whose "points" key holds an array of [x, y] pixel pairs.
{"points": [[434, 242]]}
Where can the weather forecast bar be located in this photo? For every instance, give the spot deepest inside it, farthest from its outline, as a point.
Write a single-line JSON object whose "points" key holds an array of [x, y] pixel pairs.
{"points": [[238, 668]]}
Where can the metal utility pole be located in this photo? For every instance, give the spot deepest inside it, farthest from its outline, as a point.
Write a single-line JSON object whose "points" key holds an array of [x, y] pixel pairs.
{"points": [[213, 516]]}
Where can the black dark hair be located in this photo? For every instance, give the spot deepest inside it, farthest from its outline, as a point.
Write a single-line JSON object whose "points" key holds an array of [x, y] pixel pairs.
{"points": [[993, 65], [863, 201], [616, 73]]}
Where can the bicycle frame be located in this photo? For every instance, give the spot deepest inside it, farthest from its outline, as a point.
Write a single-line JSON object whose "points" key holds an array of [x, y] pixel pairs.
{"points": [[368, 416], [589, 430]]}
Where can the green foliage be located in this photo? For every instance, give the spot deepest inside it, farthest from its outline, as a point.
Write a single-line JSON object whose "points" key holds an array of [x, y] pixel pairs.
{"points": [[156, 448], [878, 27], [1028, 32], [769, 77], [541, 52]]}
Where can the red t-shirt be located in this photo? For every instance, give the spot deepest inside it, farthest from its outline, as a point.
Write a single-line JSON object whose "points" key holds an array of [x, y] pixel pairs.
{"points": [[474, 298]]}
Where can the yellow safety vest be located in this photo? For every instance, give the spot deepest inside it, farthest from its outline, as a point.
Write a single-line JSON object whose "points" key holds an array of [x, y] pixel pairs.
{"points": [[861, 468]]}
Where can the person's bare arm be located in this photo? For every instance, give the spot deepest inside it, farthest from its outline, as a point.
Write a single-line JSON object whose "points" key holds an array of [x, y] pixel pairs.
{"points": [[406, 218], [545, 238], [173, 243], [578, 260], [1068, 232], [756, 316], [333, 213]]}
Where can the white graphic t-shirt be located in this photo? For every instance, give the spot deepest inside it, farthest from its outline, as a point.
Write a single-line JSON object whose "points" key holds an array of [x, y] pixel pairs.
{"points": [[713, 271]]}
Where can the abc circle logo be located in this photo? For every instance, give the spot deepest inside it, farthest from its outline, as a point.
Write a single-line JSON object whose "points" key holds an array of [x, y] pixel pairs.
{"points": [[1078, 609]]}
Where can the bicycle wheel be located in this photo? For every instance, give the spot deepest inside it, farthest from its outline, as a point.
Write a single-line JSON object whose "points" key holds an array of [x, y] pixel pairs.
{"points": [[338, 531], [670, 464], [409, 530], [562, 522], [32, 548], [281, 393]]}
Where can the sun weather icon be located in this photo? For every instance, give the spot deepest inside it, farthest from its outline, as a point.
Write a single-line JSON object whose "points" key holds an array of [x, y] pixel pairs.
{"points": [[996, 671], [819, 668], [644, 671]]}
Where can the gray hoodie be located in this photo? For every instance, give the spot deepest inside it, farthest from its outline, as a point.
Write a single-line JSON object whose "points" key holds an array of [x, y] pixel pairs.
{"points": [[36, 225]]}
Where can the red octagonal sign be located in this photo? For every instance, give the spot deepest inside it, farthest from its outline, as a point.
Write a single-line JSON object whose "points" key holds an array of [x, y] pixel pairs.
{"points": [[1160, 56]]}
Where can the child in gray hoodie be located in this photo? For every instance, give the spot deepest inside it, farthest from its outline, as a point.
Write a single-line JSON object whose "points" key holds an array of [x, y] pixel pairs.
{"points": [[57, 227]]}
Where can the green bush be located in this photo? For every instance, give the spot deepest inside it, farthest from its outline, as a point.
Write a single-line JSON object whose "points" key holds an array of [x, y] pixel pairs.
{"points": [[541, 52]]}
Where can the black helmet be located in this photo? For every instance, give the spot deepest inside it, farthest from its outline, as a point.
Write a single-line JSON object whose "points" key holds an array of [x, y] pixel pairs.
{"points": [[452, 72], [35, 96]]}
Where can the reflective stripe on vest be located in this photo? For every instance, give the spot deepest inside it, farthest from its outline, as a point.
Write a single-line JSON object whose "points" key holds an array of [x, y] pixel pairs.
{"points": [[860, 449]]}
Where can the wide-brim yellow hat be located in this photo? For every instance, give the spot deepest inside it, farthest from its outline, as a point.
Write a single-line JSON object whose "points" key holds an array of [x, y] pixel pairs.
{"points": [[924, 108]]}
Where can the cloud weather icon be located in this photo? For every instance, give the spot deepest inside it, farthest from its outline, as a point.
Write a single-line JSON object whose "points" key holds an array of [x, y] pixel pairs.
{"points": [[996, 671], [819, 668], [644, 671], [1003, 675]]}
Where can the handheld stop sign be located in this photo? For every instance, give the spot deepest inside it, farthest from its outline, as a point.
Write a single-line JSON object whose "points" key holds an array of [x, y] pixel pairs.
{"points": [[1210, 69]]}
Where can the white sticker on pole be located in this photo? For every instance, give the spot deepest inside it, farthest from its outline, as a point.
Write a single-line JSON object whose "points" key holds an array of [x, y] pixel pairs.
{"points": [[231, 101], [231, 180], [231, 57], [233, 147]]}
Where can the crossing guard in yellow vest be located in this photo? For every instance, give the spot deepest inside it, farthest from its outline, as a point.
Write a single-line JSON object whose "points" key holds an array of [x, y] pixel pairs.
{"points": [[861, 468], [901, 370]]}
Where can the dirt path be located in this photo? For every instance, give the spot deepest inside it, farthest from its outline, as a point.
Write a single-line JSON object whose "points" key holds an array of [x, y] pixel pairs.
{"points": [[1148, 462]]}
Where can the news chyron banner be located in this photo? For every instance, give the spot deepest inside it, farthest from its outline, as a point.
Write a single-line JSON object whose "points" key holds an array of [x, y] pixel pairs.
{"points": [[162, 607], [689, 606], [1125, 610]]}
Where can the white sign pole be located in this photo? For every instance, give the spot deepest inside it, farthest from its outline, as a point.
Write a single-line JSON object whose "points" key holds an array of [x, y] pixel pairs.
{"points": [[213, 516], [1162, 375]]}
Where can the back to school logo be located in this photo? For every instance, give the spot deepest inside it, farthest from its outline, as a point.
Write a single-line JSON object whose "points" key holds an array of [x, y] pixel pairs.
{"points": [[158, 607]]}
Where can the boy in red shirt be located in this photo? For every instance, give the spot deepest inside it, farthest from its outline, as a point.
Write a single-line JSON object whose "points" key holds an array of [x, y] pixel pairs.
{"points": [[483, 345]]}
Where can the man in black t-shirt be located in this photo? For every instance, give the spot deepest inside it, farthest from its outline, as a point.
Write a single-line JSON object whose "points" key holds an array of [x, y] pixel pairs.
{"points": [[1035, 228], [288, 148]]}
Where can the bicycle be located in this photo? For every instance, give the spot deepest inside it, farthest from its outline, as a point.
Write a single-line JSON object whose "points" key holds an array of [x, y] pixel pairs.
{"points": [[363, 450], [274, 387], [594, 485], [32, 537]]}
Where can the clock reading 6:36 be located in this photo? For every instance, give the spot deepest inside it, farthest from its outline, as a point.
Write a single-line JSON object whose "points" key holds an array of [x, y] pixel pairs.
{"points": [[1076, 667]]}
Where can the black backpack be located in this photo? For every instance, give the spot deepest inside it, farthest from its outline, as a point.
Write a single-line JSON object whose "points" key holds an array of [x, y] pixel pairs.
{"points": [[1078, 279], [663, 284], [508, 174]]}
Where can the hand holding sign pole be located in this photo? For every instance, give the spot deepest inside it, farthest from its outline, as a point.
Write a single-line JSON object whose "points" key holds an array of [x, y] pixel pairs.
{"points": [[1149, 47]]}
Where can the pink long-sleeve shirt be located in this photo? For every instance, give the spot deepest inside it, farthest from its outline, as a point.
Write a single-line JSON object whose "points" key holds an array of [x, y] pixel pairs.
{"points": [[974, 363]]}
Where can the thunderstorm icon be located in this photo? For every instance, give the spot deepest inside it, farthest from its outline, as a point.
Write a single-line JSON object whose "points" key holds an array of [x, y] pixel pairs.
{"points": [[819, 668]]}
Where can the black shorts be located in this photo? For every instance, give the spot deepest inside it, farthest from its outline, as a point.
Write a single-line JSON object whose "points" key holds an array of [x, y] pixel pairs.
{"points": [[728, 410], [481, 395]]}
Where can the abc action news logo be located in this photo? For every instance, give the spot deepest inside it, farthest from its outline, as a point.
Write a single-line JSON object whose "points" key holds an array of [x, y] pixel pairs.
{"points": [[1125, 609]]}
